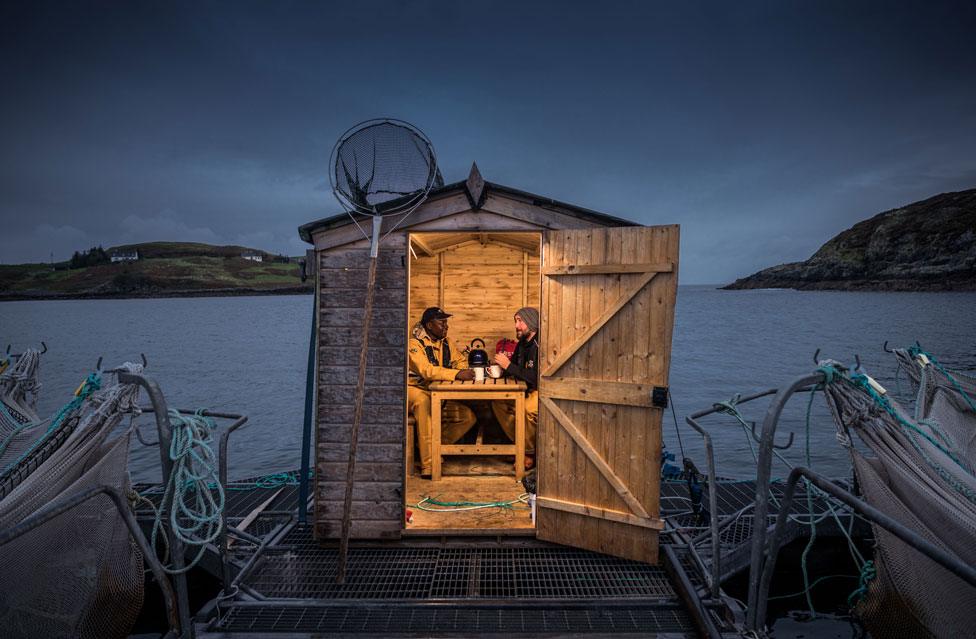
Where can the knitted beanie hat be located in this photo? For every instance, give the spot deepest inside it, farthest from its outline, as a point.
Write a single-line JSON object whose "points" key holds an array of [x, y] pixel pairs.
{"points": [[530, 316]]}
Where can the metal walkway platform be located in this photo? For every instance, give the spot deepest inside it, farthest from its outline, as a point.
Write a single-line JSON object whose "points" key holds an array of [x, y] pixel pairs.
{"points": [[519, 588], [287, 581], [298, 568], [455, 620]]}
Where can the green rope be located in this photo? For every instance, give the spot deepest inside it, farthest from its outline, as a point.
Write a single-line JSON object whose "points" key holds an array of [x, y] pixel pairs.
{"points": [[731, 408], [193, 491], [807, 586], [831, 374], [806, 590], [91, 384], [868, 573], [920, 404], [910, 431], [451, 506], [265, 482], [916, 350]]}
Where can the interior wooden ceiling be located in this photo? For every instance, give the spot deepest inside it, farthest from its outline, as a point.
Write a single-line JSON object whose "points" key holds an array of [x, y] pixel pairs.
{"points": [[426, 244]]}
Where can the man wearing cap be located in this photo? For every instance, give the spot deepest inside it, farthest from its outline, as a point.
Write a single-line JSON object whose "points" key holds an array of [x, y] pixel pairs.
{"points": [[522, 365], [434, 358]]}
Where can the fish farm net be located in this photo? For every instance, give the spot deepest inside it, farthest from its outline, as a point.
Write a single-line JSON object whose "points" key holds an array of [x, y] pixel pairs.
{"points": [[921, 474], [78, 574]]}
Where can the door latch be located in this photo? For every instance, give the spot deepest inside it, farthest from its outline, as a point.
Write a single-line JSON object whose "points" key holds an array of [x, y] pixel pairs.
{"points": [[659, 397]]}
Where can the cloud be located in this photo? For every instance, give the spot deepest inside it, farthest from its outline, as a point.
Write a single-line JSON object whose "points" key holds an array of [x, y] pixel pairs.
{"points": [[46, 240], [257, 239], [164, 227]]}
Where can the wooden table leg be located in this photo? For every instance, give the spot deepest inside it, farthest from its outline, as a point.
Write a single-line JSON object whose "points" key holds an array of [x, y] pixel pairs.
{"points": [[519, 436], [435, 436]]}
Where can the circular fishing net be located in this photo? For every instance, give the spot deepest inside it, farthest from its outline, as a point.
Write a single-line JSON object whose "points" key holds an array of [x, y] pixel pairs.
{"points": [[383, 166]]}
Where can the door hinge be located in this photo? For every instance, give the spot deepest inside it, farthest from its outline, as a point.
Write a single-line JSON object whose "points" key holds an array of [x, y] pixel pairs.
{"points": [[659, 397]]}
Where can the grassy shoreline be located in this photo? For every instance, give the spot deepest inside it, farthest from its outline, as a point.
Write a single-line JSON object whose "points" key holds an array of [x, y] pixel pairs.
{"points": [[217, 292], [164, 269]]}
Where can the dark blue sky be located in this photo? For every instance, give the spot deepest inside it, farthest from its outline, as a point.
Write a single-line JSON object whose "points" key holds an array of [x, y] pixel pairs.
{"points": [[762, 128]]}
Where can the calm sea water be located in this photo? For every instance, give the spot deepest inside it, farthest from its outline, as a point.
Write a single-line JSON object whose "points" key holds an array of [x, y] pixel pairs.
{"points": [[248, 355]]}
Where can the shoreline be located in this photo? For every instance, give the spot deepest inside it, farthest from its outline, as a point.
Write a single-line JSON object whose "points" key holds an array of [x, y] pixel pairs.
{"points": [[216, 292]]}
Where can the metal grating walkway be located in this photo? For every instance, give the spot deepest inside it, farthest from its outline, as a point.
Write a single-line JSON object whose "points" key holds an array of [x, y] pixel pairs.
{"points": [[455, 620], [536, 573], [242, 497]]}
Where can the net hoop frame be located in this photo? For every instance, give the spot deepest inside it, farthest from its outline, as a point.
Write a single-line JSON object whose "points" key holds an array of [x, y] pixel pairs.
{"points": [[404, 205]]}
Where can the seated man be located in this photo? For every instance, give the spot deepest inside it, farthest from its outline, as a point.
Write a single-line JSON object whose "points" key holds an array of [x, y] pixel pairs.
{"points": [[523, 365], [434, 358]]}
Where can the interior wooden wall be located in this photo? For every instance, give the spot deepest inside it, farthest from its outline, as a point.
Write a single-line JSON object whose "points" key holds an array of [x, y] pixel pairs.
{"points": [[481, 284]]}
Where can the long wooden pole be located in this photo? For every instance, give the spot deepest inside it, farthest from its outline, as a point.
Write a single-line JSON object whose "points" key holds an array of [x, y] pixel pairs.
{"points": [[360, 400]]}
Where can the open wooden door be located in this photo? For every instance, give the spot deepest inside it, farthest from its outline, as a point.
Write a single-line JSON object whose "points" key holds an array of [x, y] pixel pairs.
{"points": [[607, 316]]}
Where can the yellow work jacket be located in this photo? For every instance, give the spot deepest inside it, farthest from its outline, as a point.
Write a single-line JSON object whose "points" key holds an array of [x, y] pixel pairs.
{"points": [[433, 360]]}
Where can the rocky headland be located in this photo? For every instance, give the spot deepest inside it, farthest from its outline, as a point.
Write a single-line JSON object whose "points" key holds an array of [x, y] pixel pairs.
{"points": [[925, 246]]}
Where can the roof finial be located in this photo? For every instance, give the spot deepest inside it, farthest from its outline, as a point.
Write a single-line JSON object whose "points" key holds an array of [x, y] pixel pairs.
{"points": [[475, 187]]}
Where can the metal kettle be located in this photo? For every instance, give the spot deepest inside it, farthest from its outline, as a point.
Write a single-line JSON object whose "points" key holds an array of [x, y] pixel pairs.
{"points": [[478, 357]]}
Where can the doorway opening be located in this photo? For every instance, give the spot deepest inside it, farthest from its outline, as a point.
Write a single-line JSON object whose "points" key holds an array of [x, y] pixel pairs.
{"points": [[481, 279]]}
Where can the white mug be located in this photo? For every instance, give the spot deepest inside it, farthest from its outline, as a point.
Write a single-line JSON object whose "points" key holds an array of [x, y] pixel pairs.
{"points": [[495, 371], [479, 374]]}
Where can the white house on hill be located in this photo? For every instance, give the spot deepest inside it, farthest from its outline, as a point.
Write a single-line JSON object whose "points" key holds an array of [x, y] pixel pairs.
{"points": [[124, 256]]}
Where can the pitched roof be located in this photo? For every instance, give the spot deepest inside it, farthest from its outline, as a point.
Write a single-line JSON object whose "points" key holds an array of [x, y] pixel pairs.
{"points": [[476, 189]]}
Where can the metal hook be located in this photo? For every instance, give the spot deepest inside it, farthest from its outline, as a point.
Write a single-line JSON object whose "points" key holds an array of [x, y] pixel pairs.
{"points": [[44, 346], [885, 348], [145, 364], [816, 357], [756, 437], [857, 362], [98, 366]]}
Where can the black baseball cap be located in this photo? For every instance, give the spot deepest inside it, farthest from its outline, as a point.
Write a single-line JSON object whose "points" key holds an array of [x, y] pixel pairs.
{"points": [[433, 313]]}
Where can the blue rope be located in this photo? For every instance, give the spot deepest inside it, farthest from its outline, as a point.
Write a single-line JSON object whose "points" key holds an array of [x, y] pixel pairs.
{"points": [[916, 350], [807, 586], [193, 491], [911, 430], [832, 374], [91, 384], [868, 573]]}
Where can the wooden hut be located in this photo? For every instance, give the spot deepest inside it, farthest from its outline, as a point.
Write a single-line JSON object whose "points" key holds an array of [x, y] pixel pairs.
{"points": [[606, 290]]}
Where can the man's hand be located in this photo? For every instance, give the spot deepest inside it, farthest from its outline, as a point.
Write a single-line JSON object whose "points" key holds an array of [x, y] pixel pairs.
{"points": [[502, 360], [465, 375]]}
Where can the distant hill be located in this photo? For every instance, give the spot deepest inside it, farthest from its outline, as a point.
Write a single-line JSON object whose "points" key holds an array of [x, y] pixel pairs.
{"points": [[164, 269], [925, 246]]}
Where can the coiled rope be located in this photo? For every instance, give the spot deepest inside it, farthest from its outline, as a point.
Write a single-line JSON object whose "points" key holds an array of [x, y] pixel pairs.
{"points": [[193, 491]]}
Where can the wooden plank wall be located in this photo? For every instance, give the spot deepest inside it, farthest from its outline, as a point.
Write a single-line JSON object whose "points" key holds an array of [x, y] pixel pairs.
{"points": [[481, 285], [377, 509]]}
